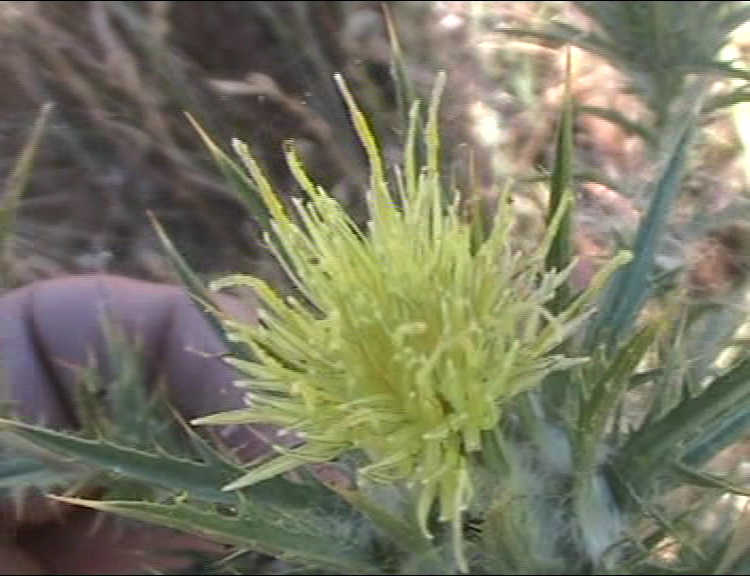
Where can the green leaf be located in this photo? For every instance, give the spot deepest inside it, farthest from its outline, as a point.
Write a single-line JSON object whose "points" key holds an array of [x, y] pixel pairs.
{"points": [[693, 419], [731, 427], [203, 480], [658, 46], [605, 394], [297, 539], [560, 251], [20, 471], [235, 175], [134, 415], [632, 284]]}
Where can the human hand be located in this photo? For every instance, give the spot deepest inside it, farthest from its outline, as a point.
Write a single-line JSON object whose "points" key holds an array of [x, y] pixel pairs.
{"points": [[49, 331]]}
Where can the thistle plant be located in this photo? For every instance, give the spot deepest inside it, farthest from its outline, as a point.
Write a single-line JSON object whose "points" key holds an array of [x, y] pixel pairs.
{"points": [[405, 343], [665, 51], [486, 418]]}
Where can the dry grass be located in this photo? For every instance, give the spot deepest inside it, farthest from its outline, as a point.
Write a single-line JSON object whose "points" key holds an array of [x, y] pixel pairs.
{"points": [[122, 74]]}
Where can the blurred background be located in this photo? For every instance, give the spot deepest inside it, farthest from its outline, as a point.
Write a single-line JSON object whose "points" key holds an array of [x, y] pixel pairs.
{"points": [[121, 77]]}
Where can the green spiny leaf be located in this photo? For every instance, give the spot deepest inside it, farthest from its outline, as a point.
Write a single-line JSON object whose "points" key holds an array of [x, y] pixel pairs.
{"points": [[203, 480], [332, 547], [632, 284], [731, 427], [159, 469], [561, 192], [20, 470], [693, 417]]}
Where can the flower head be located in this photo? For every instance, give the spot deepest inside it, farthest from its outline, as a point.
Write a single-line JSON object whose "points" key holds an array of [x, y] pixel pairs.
{"points": [[407, 340]]}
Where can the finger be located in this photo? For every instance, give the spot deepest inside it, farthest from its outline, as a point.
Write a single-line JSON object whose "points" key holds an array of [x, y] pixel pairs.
{"points": [[27, 376], [70, 321], [177, 345]]}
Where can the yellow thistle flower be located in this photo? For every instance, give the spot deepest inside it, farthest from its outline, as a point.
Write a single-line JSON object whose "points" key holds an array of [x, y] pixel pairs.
{"points": [[406, 341]]}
